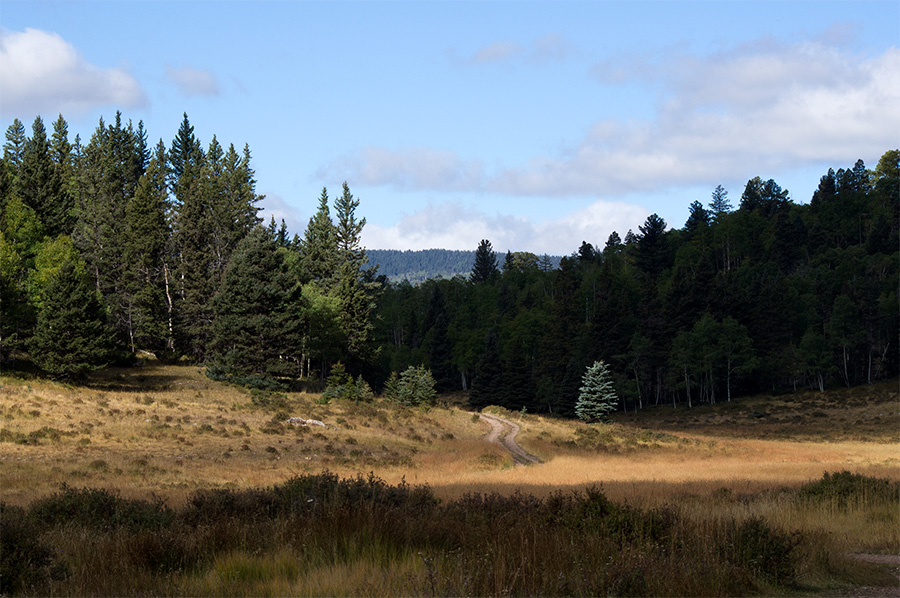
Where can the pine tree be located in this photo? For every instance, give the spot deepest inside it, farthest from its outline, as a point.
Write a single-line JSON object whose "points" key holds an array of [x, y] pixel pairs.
{"points": [[485, 267], [319, 249], [14, 148], [258, 312], [145, 276], [357, 288], [38, 182], [597, 397], [720, 203], [487, 385], [62, 153], [71, 337]]}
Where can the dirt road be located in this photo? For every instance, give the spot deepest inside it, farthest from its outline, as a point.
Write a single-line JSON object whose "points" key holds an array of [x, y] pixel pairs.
{"points": [[504, 432]]}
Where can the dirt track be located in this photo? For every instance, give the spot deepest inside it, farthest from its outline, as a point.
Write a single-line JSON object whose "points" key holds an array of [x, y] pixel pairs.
{"points": [[504, 432]]}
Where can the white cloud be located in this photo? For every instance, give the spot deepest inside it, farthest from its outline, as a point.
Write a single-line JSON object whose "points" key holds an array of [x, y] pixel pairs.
{"points": [[410, 169], [274, 206], [454, 226], [544, 49], [41, 72], [756, 109], [193, 82]]}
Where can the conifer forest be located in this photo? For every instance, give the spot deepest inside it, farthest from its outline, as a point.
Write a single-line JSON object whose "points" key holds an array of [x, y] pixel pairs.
{"points": [[113, 249]]}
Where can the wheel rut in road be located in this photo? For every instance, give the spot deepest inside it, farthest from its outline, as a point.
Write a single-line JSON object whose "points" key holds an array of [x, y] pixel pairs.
{"points": [[504, 432]]}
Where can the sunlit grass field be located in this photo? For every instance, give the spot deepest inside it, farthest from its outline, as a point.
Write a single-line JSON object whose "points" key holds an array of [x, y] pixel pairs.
{"points": [[748, 473]]}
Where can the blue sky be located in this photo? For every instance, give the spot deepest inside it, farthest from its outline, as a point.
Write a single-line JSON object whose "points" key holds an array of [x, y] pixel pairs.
{"points": [[536, 125]]}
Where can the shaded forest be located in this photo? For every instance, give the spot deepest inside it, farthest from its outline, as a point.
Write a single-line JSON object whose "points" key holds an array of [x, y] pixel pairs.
{"points": [[113, 248]]}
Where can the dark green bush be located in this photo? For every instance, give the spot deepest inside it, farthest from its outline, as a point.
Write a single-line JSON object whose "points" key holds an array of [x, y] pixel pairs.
{"points": [[844, 488], [100, 509], [25, 562]]}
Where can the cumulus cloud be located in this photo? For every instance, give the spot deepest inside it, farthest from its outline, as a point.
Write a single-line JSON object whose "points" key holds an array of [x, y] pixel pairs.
{"points": [[42, 72], [193, 82], [452, 225]]}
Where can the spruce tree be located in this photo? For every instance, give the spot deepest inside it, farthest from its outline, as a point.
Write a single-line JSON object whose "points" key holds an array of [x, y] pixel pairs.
{"points": [[356, 289], [485, 267], [487, 385], [258, 313], [71, 337], [145, 278], [597, 397], [14, 148], [38, 182], [62, 153]]}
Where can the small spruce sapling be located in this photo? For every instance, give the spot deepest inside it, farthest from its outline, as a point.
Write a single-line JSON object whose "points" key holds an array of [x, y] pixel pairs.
{"points": [[597, 397]]}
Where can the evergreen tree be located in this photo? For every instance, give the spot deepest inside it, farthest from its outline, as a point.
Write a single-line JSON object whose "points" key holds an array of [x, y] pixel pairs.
{"points": [[357, 288], [14, 148], [720, 203], [319, 258], [487, 385], [258, 313], [71, 337], [596, 397], [485, 267], [38, 182], [147, 309], [14, 311], [62, 153]]}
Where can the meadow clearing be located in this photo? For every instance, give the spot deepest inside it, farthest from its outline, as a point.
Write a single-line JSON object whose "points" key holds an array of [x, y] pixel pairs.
{"points": [[677, 497]]}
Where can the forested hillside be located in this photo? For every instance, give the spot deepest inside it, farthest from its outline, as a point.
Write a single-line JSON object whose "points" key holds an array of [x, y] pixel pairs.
{"points": [[768, 295], [114, 247], [419, 266]]}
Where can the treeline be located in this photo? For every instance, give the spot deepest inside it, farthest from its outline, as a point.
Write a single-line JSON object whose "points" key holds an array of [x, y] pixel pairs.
{"points": [[113, 247], [770, 296], [421, 265], [417, 266]]}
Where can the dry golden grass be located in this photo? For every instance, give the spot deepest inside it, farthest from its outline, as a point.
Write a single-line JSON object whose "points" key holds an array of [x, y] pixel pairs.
{"points": [[170, 430]]}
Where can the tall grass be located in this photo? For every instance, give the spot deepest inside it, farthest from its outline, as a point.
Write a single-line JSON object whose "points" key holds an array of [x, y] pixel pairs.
{"points": [[326, 535]]}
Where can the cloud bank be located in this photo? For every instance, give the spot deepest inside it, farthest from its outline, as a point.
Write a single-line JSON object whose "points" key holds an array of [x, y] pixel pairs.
{"points": [[757, 108], [41, 72], [453, 225]]}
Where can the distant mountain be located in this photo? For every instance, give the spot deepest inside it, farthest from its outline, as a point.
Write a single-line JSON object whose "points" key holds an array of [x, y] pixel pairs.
{"points": [[419, 266]]}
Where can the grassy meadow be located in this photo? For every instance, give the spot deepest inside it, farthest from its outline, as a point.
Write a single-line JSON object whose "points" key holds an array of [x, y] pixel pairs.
{"points": [[157, 480]]}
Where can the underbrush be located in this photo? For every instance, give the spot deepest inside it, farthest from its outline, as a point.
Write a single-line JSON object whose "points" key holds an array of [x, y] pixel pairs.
{"points": [[326, 535]]}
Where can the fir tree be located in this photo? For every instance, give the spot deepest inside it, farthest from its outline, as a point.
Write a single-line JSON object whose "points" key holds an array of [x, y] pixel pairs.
{"points": [[38, 182], [720, 204], [487, 385], [258, 312], [597, 397], [71, 337], [145, 277], [319, 250], [14, 148], [485, 267]]}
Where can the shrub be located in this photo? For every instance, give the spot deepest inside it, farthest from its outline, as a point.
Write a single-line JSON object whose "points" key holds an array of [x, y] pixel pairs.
{"points": [[24, 560], [415, 386], [845, 488]]}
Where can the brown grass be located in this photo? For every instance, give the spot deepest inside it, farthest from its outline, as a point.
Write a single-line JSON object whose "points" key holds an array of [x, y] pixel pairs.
{"points": [[168, 430]]}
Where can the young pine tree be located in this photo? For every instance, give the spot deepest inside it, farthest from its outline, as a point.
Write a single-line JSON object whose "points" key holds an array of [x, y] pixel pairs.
{"points": [[597, 396]]}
